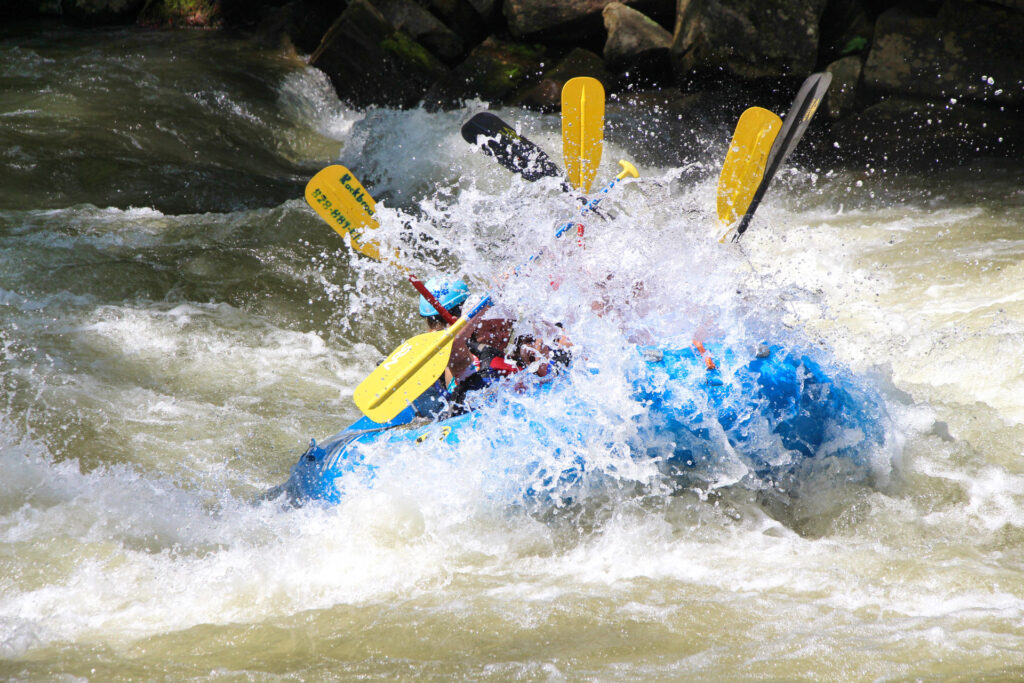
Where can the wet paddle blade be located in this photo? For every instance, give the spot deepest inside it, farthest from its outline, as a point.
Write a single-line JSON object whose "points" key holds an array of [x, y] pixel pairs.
{"points": [[793, 126], [406, 374], [799, 117], [342, 201], [513, 151], [745, 162], [582, 130]]}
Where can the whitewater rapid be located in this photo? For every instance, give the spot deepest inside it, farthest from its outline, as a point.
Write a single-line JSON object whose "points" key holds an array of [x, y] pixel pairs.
{"points": [[176, 325]]}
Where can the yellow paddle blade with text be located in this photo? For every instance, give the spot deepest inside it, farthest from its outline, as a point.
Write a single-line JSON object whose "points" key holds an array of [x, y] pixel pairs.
{"points": [[341, 200], [406, 373], [582, 130], [745, 162]]}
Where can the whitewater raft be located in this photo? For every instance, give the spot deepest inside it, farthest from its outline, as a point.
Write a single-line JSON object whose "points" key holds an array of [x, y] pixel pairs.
{"points": [[767, 407]]}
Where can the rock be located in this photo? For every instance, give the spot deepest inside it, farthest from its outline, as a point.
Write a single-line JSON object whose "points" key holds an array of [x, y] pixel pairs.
{"points": [[419, 23], [845, 30], [568, 20], [966, 50], [546, 95], [493, 70], [484, 7], [1012, 4], [842, 92], [180, 14], [905, 132], [299, 23], [746, 38], [634, 40], [370, 62], [13, 10], [471, 20], [98, 12]]}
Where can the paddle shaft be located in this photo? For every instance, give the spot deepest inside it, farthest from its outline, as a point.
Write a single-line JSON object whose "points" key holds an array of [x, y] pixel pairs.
{"points": [[449, 319]]}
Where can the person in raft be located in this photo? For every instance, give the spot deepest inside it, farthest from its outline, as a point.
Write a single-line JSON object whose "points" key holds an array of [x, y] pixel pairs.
{"points": [[478, 351]]}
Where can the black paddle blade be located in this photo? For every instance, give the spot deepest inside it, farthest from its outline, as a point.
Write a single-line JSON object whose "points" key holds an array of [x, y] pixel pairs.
{"points": [[512, 150], [793, 126], [798, 117]]}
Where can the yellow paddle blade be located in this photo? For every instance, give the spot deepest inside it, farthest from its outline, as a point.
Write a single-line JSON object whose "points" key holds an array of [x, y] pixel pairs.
{"points": [[582, 130], [342, 201], [744, 163], [406, 373]]}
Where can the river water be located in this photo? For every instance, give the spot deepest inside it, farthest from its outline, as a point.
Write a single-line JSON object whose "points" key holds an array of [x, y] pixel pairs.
{"points": [[176, 325]]}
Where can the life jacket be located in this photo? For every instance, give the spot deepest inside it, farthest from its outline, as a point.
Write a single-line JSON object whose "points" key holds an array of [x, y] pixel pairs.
{"points": [[490, 363]]}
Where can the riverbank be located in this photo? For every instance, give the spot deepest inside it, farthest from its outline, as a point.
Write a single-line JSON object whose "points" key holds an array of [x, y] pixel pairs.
{"points": [[929, 84]]}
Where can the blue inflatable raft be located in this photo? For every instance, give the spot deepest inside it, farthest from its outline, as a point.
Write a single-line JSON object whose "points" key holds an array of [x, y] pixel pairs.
{"points": [[767, 408]]}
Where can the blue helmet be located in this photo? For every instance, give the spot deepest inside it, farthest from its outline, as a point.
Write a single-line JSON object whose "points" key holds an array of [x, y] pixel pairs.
{"points": [[449, 293]]}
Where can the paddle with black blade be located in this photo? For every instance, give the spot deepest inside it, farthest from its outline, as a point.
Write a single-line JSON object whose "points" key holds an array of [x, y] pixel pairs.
{"points": [[415, 365], [345, 205], [513, 151], [793, 126]]}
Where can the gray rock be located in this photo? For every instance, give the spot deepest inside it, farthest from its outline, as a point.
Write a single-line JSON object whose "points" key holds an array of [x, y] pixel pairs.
{"points": [[95, 12], [845, 30], [370, 62], [29, 9], [842, 92], [566, 20], [546, 95], [472, 21], [746, 38], [1012, 4], [492, 71], [484, 7], [419, 23], [174, 13], [967, 50], [633, 38]]}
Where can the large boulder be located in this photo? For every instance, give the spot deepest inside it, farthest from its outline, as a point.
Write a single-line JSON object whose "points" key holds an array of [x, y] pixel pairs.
{"points": [[965, 50], [634, 40], [97, 12], [370, 62], [546, 94], [749, 39], [568, 20], [471, 20], [418, 22], [842, 91], [492, 71], [298, 23], [11, 10], [181, 14], [845, 30]]}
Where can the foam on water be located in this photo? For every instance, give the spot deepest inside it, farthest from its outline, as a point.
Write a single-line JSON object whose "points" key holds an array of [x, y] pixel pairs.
{"points": [[163, 368]]}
